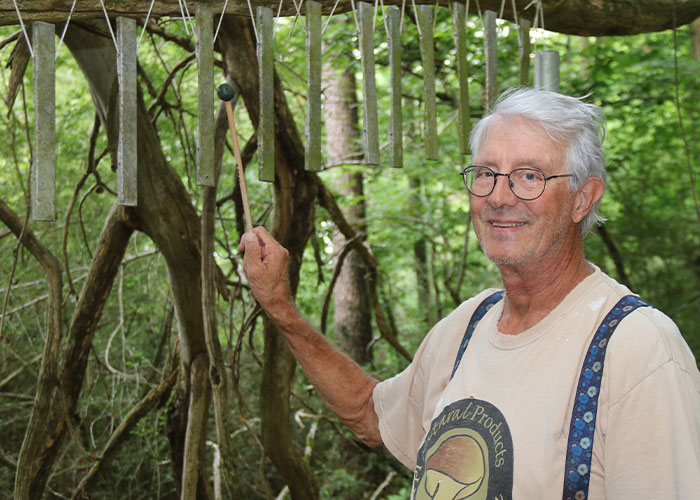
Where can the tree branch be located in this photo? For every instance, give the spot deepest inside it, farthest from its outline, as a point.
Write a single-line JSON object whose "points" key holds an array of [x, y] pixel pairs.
{"points": [[154, 399], [326, 200], [614, 255], [35, 439]]}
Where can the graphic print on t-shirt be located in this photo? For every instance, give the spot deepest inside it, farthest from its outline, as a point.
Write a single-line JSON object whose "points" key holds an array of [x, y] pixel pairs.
{"points": [[467, 454]]}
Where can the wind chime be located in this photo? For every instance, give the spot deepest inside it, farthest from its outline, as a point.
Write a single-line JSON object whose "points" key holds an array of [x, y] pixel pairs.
{"points": [[42, 49]]}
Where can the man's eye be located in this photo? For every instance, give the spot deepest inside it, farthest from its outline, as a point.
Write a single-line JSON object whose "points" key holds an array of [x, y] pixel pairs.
{"points": [[483, 174], [529, 176]]}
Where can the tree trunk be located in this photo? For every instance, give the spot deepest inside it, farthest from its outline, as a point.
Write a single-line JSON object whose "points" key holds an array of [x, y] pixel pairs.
{"points": [[165, 212], [420, 257], [351, 304], [695, 38]]}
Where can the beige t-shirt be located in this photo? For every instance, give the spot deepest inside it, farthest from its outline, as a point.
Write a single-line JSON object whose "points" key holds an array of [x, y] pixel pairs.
{"points": [[510, 403]]}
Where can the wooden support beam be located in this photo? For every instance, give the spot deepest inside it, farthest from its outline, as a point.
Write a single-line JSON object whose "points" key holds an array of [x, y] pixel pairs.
{"points": [[427, 52], [574, 17], [206, 175], [370, 122], [396, 117], [490, 50], [44, 155], [524, 26], [127, 160], [266, 125], [312, 157], [547, 70], [460, 40]]}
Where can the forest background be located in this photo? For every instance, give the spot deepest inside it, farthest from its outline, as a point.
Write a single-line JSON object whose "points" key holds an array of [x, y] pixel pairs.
{"points": [[123, 419]]}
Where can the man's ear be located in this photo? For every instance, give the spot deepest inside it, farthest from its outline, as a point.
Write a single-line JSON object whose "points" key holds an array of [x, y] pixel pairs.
{"points": [[587, 196]]}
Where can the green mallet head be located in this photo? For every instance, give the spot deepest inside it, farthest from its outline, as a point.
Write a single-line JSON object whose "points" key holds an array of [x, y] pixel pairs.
{"points": [[226, 92]]}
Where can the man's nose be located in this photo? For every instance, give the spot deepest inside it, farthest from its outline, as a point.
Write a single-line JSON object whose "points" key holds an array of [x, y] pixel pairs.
{"points": [[502, 194]]}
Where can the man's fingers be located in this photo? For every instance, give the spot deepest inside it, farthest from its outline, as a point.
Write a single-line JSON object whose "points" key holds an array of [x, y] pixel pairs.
{"points": [[264, 237], [261, 234], [251, 247], [261, 247]]}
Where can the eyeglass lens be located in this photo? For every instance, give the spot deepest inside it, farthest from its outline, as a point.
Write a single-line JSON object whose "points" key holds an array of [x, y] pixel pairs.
{"points": [[526, 183]]}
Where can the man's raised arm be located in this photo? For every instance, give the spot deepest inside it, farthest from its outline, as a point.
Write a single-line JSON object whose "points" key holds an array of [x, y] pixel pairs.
{"points": [[344, 386]]}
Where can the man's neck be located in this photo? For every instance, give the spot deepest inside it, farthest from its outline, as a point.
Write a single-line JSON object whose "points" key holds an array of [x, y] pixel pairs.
{"points": [[533, 293]]}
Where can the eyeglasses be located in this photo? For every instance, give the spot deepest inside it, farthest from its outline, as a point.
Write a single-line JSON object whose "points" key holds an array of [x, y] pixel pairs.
{"points": [[526, 183]]}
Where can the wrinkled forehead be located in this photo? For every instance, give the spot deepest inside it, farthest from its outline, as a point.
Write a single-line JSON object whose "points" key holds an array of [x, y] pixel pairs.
{"points": [[527, 125], [514, 139]]}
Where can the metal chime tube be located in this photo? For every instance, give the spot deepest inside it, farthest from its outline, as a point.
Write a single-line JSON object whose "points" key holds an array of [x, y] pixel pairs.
{"points": [[206, 175], [370, 122], [266, 125], [44, 166], [524, 26], [547, 70], [427, 50], [396, 118], [126, 150], [312, 158], [460, 40], [490, 40]]}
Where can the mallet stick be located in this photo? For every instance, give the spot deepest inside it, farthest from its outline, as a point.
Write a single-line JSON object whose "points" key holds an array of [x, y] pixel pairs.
{"points": [[226, 93]]}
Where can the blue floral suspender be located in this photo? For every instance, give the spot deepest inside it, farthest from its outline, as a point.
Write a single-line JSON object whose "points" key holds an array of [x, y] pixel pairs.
{"points": [[579, 450], [481, 310]]}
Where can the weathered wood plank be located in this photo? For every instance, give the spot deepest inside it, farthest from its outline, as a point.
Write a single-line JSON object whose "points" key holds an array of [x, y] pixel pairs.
{"points": [[460, 39], [44, 165], [370, 123], [547, 70], [490, 50], [313, 124], [427, 52], [574, 17], [206, 175], [266, 125], [524, 26], [127, 172], [396, 117]]}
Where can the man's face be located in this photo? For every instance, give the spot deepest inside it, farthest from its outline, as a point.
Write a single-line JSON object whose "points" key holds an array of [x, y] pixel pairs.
{"points": [[514, 232]]}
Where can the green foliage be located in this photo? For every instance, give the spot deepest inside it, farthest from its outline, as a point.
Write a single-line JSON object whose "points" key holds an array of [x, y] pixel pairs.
{"points": [[649, 203]]}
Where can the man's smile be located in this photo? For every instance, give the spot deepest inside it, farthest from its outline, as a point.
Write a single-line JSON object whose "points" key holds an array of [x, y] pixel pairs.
{"points": [[504, 224]]}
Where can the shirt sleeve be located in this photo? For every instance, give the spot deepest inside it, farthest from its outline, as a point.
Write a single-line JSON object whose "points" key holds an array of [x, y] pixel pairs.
{"points": [[406, 402], [652, 436]]}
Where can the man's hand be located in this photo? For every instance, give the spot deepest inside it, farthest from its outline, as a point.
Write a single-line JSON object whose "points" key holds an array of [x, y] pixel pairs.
{"points": [[265, 265]]}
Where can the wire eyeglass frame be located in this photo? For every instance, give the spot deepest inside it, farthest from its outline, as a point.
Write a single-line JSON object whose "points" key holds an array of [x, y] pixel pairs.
{"points": [[467, 172]]}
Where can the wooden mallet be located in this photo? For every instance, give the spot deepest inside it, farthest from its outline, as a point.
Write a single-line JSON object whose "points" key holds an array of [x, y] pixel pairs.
{"points": [[226, 93]]}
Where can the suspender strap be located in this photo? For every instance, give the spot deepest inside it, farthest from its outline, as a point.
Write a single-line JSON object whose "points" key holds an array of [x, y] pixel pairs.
{"points": [[479, 313], [579, 450]]}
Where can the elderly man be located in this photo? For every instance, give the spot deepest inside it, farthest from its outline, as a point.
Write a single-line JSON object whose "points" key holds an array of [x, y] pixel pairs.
{"points": [[524, 394]]}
